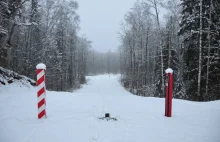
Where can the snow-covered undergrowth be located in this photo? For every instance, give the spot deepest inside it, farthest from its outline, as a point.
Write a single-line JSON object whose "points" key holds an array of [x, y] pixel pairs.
{"points": [[74, 116], [10, 77]]}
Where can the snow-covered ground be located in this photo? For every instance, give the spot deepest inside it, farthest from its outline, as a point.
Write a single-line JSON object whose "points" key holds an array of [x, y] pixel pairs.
{"points": [[73, 117]]}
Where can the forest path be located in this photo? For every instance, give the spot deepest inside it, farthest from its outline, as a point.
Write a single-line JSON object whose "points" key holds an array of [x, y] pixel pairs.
{"points": [[75, 116]]}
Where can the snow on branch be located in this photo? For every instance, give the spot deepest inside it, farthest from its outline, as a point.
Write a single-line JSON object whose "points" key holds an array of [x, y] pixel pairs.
{"points": [[2, 30], [27, 24]]}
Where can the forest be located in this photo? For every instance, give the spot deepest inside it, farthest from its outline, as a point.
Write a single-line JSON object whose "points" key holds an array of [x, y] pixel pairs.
{"points": [[188, 43], [186, 40]]}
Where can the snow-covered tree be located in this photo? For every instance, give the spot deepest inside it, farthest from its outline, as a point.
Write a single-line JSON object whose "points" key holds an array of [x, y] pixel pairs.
{"points": [[45, 31], [200, 32]]}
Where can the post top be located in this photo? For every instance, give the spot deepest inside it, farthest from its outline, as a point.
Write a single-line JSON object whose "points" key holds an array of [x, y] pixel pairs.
{"points": [[169, 70], [41, 66]]}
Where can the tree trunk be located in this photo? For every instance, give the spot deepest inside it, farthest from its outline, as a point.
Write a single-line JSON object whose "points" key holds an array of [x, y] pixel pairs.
{"points": [[209, 42], [146, 60], [161, 47], [200, 53]]}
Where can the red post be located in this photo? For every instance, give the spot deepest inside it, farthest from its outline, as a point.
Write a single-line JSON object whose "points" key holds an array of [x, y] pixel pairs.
{"points": [[41, 94], [166, 95], [169, 92]]}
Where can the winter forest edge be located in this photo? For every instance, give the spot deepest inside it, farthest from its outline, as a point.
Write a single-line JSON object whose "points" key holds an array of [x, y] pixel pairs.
{"points": [[188, 41]]}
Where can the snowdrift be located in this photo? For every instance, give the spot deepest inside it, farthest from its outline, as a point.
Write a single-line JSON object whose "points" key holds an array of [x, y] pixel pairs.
{"points": [[11, 77]]}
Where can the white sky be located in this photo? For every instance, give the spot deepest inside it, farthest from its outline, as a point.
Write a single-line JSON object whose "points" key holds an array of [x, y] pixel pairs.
{"points": [[100, 21]]}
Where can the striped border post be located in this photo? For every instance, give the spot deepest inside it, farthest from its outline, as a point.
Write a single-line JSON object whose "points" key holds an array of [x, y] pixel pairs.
{"points": [[169, 92], [41, 94]]}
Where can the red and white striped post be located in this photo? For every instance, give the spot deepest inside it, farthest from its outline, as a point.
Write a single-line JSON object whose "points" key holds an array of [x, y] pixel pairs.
{"points": [[169, 92], [41, 94]]}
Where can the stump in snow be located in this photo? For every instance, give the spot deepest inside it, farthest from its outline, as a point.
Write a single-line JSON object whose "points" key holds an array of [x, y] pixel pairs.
{"points": [[107, 117]]}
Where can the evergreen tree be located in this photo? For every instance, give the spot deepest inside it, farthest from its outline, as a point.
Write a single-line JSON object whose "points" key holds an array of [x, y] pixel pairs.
{"points": [[211, 48], [202, 35], [171, 59], [190, 29]]}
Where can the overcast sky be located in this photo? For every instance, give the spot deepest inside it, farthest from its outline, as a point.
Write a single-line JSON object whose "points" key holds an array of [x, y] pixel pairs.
{"points": [[100, 21]]}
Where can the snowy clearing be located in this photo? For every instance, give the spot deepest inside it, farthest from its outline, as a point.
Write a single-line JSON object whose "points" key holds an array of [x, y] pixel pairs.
{"points": [[73, 117]]}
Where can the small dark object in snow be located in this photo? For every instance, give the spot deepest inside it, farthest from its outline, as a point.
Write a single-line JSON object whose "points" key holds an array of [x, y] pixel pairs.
{"points": [[3, 83], [107, 117], [32, 83], [10, 81], [17, 77]]}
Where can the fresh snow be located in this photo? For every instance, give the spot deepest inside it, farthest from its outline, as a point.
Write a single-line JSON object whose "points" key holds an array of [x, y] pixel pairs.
{"points": [[41, 66], [169, 70], [74, 117], [2, 30], [17, 80]]}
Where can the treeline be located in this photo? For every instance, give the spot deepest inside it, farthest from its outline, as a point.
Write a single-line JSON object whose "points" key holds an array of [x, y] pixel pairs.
{"points": [[101, 63], [188, 42], [34, 31]]}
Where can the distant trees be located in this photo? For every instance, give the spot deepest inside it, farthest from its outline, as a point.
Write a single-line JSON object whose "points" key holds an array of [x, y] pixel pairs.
{"points": [[43, 31], [101, 63]]}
